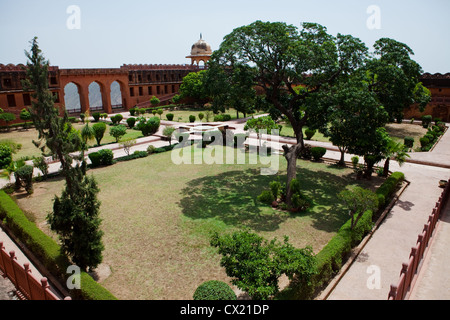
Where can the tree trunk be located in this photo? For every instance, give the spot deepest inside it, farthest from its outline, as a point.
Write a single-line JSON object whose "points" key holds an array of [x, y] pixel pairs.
{"points": [[291, 154], [342, 161], [386, 167]]}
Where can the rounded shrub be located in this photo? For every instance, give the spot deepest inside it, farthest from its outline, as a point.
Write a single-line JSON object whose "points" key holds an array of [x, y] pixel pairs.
{"points": [[409, 142], [95, 159], [309, 133], [318, 152], [131, 122], [214, 290], [170, 116], [106, 157], [191, 118], [424, 142]]}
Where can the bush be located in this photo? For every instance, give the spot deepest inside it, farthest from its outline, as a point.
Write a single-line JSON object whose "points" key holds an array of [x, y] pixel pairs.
{"points": [[96, 116], [409, 142], [116, 119], [170, 116], [388, 187], [106, 157], [214, 290], [266, 197], [25, 174], [149, 127], [426, 120], [5, 156], [191, 118], [151, 149], [118, 132], [132, 112], [99, 131], [318, 152], [275, 188], [424, 142], [95, 159], [309, 133], [222, 117], [306, 152], [131, 122]]}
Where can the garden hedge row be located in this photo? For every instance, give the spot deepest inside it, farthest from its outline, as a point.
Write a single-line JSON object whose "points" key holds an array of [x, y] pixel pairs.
{"points": [[47, 250], [332, 257]]}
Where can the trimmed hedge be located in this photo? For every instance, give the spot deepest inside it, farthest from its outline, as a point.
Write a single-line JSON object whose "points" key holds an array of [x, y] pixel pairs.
{"points": [[332, 257], [214, 290], [47, 250]]}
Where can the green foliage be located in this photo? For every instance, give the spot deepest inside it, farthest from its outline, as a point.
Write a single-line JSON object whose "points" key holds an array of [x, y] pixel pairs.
{"points": [[191, 118], [426, 121], [132, 112], [118, 132], [214, 290], [168, 132], [201, 116], [99, 131], [255, 264], [275, 188], [7, 117], [96, 116], [116, 119], [42, 165], [222, 117], [309, 133], [170, 116], [154, 101], [5, 156], [131, 122], [318, 153], [25, 115], [148, 127], [358, 200], [95, 159], [87, 133], [193, 87], [25, 175], [266, 197], [409, 142], [47, 250], [106, 157], [389, 186], [424, 142]]}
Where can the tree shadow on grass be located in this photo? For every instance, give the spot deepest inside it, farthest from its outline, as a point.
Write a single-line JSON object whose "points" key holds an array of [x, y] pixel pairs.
{"points": [[232, 198]]}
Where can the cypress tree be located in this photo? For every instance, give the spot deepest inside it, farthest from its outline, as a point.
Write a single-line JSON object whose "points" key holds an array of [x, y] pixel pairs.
{"points": [[75, 217]]}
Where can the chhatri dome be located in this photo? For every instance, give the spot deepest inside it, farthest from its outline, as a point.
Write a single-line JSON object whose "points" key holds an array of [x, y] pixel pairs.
{"points": [[200, 52]]}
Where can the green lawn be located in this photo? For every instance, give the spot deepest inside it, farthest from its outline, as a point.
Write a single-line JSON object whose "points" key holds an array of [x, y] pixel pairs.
{"points": [[25, 138], [158, 216]]}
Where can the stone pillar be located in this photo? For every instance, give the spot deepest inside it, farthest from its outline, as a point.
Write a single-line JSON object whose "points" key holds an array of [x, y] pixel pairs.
{"points": [[106, 97], [83, 91]]}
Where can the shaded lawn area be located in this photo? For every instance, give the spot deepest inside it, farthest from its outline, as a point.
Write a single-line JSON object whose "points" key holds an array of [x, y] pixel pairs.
{"points": [[158, 217]]}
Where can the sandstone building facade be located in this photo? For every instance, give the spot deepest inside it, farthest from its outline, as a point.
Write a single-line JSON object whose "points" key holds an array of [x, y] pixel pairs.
{"points": [[137, 83]]}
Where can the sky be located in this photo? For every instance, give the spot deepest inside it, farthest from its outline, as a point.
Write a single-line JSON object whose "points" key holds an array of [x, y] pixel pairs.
{"points": [[108, 34]]}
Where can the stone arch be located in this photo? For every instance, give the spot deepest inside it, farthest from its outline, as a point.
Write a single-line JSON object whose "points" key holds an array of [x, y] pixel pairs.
{"points": [[117, 94], [72, 97], [96, 96]]}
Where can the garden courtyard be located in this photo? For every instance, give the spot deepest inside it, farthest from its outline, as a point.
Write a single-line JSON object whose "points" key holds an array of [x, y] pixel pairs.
{"points": [[158, 218]]}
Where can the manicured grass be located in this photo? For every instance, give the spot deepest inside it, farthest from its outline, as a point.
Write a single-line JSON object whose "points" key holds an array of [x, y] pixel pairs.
{"points": [[158, 216], [26, 137]]}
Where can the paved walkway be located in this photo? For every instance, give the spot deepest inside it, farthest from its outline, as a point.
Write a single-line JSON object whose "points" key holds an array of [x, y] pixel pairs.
{"points": [[390, 245]]}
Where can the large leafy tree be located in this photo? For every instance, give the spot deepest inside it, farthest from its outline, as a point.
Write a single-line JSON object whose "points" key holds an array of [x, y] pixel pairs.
{"points": [[231, 87], [394, 76], [280, 58], [75, 215], [193, 87]]}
